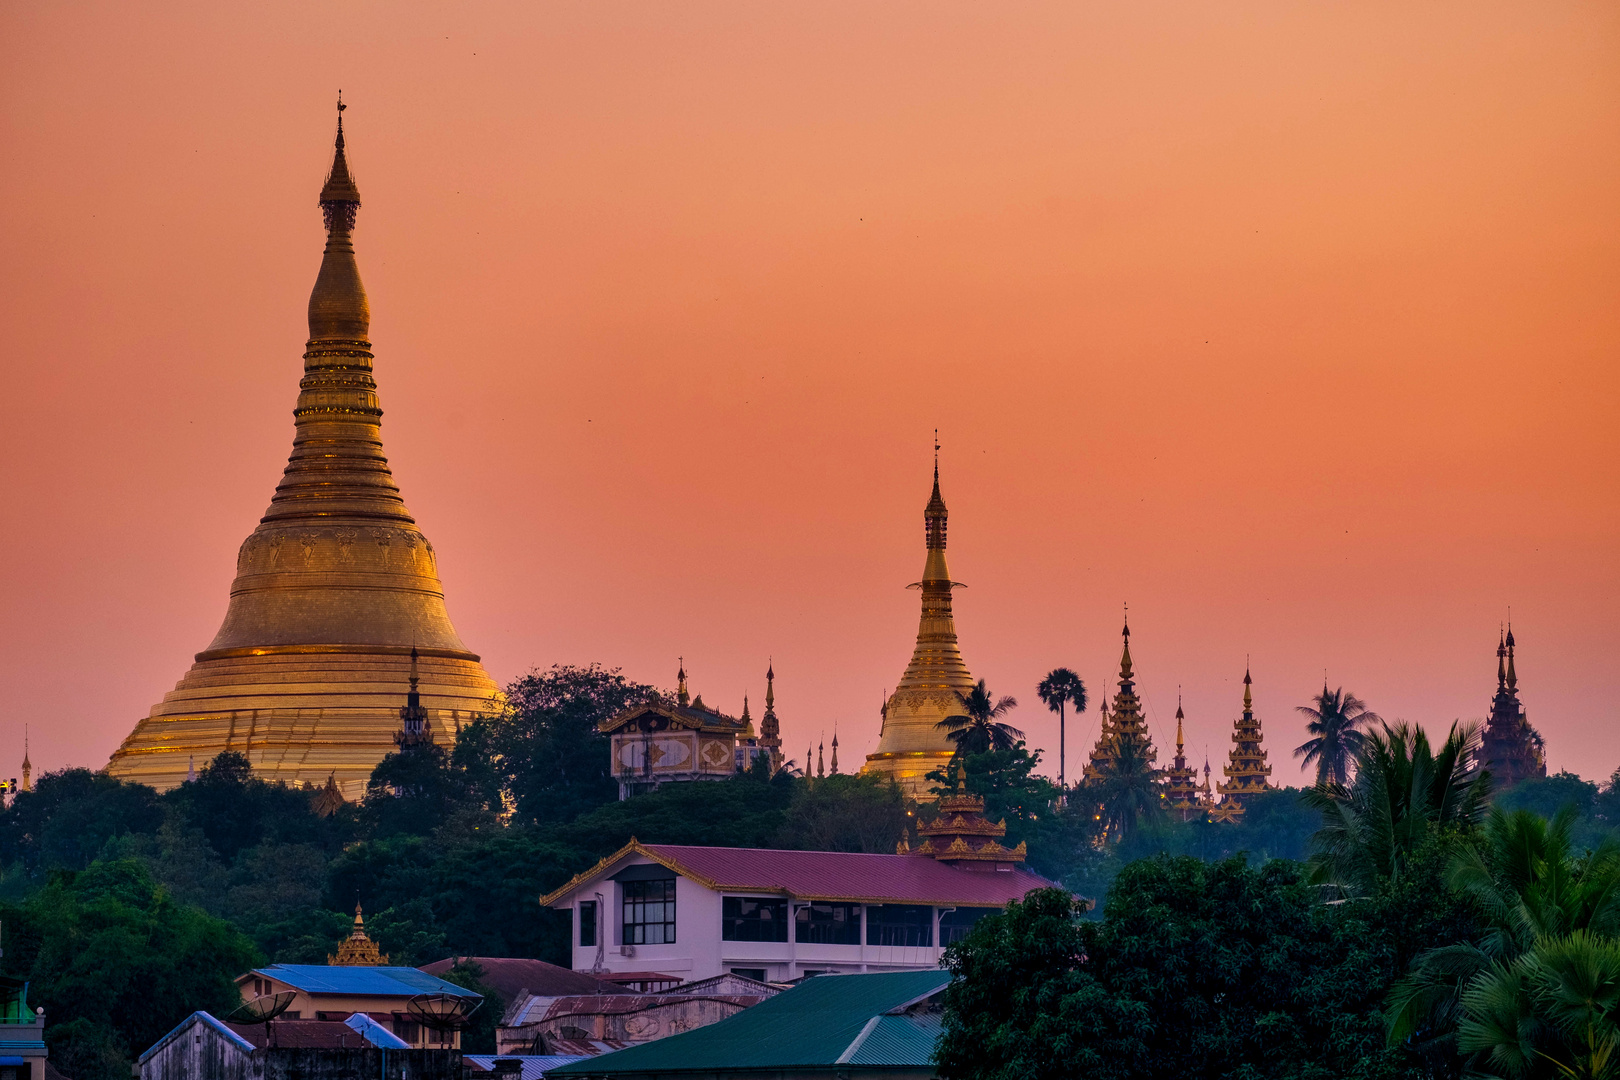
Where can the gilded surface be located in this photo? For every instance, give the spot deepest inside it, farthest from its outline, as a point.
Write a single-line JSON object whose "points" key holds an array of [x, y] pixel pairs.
{"points": [[912, 744], [332, 590]]}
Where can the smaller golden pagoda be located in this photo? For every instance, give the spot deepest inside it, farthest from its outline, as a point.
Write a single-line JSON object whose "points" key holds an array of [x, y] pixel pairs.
{"points": [[770, 728], [1124, 723], [1181, 779], [357, 950], [1246, 774], [962, 834]]}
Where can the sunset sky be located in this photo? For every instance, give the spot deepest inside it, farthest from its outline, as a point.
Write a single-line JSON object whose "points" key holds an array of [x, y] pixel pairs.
{"points": [[1294, 325]]}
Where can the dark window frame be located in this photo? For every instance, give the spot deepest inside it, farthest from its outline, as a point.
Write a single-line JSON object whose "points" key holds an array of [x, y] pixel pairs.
{"points": [[648, 912], [840, 924], [754, 918], [900, 925], [587, 924], [955, 924]]}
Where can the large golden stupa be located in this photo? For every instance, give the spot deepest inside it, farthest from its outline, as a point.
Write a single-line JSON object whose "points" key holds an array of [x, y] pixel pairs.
{"points": [[333, 590], [912, 744]]}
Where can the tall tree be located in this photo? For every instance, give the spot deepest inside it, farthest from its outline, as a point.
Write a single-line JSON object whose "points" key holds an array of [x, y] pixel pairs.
{"points": [[1336, 720], [1404, 791], [979, 727], [1060, 689], [1129, 789]]}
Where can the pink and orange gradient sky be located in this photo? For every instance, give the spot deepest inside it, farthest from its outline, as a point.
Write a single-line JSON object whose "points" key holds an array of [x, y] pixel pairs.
{"points": [[1294, 325]]}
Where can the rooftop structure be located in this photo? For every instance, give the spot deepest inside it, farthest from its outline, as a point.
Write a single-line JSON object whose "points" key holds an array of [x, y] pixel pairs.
{"points": [[659, 741], [1247, 770], [204, 1046], [1510, 748], [960, 834], [1122, 725], [848, 1027], [526, 1067], [594, 1023], [910, 742], [403, 999], [357, 950], [334, 588], [1181, 779], [775, 916], [511, 977]]}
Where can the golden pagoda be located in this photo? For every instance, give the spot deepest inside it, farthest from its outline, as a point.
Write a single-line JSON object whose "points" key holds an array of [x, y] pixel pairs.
{"points": [[1247, 772], [357, 950], [962, 834], [1181, 779], [1124, 723], [333, 590], [911, 743]]}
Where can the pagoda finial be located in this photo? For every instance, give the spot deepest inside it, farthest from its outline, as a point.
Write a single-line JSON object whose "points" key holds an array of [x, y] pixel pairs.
{"points": [[1512, 675], [1180, 716], [1501, 658], [835, 750], [770, 685], [681, 695], [821, 761], [934, 515], [1125, 655], [338, 308], [1248, 697]]}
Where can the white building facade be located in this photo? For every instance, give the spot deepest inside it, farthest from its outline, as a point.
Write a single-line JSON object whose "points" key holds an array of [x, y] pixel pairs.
{"points": [[697, 912]]}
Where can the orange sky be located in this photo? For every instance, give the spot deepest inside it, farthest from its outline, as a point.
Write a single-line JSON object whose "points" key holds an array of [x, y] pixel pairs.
{"points": [[1294, 325]]}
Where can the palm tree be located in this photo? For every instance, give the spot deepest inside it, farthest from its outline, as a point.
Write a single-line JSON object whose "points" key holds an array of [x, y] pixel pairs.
{"points": [[1403, 789], [1532, 889], [1061, 688], [1129, 789], [1335, 727], [979, 727]]}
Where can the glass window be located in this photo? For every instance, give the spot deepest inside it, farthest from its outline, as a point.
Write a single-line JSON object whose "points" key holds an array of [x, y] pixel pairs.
{"points": [[757, 974], [899, 924], [587, 922], [745, 918], [829, 924], [649, 912], [954, 925]]}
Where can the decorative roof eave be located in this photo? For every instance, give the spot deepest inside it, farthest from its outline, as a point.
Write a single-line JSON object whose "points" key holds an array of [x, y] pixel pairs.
{"points": [[691, 719]]}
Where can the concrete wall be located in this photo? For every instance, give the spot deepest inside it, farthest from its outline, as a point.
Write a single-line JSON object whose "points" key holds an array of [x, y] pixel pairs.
{"points": [[200, 1051]]}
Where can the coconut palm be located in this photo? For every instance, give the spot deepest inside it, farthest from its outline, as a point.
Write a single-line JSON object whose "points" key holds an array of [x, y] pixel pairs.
{"points": [[979, 727], [1532, 888], [1335, 726], [1059, 689], [1403, 789]]}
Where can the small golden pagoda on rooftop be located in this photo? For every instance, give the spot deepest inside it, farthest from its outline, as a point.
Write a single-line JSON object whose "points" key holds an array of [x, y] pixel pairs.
{"points": [[910, 743], [334, 588], [1246, 774], [1181, 779], [961, 834], [357, 950]]}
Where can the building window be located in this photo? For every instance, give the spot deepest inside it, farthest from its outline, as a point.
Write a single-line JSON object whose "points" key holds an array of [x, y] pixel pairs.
{"points": [[954, 925], [899, 924], [408, 1030], [744, 918], [587, 922], [757, 974], [829, 924], [649, 912]]}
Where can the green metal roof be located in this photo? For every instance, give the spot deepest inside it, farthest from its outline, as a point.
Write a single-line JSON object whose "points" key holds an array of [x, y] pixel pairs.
{"points": [[824, 1021]]}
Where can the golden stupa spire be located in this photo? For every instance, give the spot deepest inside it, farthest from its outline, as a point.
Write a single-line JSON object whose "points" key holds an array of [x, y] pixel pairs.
{"points": [[835, 750], [1180, 716], [334, 587], [27, 766], [357, 950], [911, 743], [681, 696]]}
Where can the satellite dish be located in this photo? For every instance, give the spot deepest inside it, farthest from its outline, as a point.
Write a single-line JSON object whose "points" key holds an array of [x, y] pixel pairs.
{"points": [[441, 1011], [263, 1009]]}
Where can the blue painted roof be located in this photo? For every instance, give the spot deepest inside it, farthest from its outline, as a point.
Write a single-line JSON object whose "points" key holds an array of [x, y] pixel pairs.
{"points": [[361, 981]]}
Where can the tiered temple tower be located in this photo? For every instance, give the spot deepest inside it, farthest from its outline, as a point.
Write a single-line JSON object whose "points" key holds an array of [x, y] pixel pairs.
{"points": [[961, 834], [911, 744], [770, 728], [1124, 724], [1511, 749], [1181, 779], [333, 590], [1247, 769]]}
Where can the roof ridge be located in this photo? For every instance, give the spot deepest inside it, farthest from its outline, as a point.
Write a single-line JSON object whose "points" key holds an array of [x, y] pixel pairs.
{"points": [[853, 1047]]}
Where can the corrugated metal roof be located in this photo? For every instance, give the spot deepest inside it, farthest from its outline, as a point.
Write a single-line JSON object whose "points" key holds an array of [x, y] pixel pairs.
{"points": [[361, 981], [897, 1040], [812, 1024], [846, 875], [535, 1066]]}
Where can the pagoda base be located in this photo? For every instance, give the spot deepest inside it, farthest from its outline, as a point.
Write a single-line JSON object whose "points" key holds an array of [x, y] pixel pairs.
{"points": [[909, 769]]}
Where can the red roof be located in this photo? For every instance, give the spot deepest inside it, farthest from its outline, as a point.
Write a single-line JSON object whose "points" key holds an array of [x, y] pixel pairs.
{"points": [[509, 976], [832, 875]]}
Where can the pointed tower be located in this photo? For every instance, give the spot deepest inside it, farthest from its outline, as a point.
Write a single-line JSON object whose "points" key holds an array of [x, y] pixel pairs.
{"points": [[821, 761], [681, 696], [27, 766], [1247, 771], [413, 719], [332, 589], [1124, 724], [911, 744], [357, 950], [835, 751], [1510, 748], [1181, 779], [770, 728]]}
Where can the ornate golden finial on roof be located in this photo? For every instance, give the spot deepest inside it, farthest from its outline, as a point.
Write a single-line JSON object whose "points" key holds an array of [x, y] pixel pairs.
{"points": [[329, 799], [1512, 675], [821, 764], [1248, 683], [357, 950], [27, 766], [1125, 655], [681, 695], [1180, 716], [835, 750]]}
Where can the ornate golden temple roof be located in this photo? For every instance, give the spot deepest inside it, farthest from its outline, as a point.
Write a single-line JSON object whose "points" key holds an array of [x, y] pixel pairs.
{"points": [[333, 589], [1247, 769], [357, 950]]}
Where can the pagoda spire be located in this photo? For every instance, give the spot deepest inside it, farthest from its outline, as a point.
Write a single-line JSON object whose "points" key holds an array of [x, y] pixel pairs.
{"points": [[27, 766], [1512, 675], [911, 743], [770, 728], [835, 750], [681, 696], [1181, 780], [1246, 774], [1510, 748], [1124, 723]]}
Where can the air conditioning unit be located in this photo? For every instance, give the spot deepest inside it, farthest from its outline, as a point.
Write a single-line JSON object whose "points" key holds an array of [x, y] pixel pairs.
{"points": [[627, 950]]}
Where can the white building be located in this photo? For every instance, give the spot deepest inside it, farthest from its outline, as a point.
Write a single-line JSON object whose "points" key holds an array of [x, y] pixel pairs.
{"points": [[696, 912]]}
